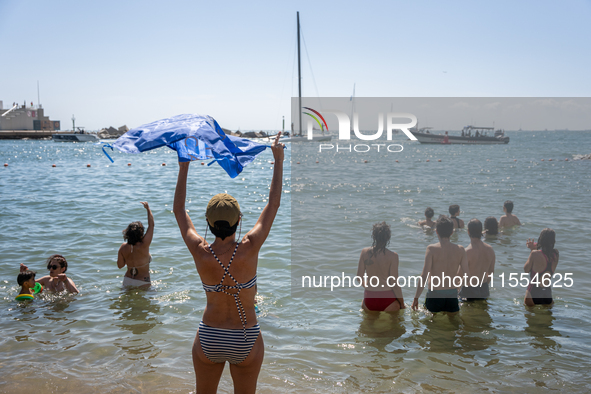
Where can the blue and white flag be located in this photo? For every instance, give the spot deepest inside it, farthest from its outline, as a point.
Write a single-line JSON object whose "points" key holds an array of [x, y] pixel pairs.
{"points": [[193, 137]]}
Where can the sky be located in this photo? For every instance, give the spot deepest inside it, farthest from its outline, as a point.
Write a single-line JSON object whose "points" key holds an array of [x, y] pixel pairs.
{"points": [[114, 63]]}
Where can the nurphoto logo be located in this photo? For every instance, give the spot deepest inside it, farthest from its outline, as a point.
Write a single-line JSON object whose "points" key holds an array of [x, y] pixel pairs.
{"points": [[345, 130]]}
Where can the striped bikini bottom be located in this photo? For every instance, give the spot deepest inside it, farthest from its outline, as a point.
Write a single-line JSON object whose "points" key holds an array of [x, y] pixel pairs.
{"points": [[220, 345]]}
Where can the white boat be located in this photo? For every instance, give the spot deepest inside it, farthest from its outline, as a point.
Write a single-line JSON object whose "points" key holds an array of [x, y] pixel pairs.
{"points": [[80, 136], [299, 137], [471, 135]]}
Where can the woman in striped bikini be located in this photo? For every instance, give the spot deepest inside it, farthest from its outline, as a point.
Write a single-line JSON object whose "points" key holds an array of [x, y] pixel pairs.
{"points": [[229, 330]]}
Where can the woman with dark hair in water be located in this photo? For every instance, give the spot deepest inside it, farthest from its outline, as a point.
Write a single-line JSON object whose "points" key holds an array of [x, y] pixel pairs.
{"points": [[228, 330], [382, 263], [135, 253], [491, 226], [541, 266]]}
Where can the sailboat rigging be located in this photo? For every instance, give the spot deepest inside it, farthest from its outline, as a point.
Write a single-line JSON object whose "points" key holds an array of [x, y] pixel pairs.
{"points": [[300, 137]]}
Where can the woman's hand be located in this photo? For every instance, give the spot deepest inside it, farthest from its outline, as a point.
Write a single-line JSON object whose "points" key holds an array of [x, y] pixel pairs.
{"points": [[277, 148], [145, 204], [62, 277], [415, 304], [531, 244], [23, 268]]}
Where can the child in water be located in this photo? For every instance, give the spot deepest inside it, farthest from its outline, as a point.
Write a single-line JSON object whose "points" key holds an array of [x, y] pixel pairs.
{"points": [[26, 280]]}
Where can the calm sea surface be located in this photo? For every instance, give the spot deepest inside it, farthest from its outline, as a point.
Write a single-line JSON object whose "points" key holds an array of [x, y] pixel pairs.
{"points": [[107, 339]]}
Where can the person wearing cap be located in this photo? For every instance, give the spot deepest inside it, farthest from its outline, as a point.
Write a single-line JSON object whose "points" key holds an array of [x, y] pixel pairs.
{"points": [[229, 330]]}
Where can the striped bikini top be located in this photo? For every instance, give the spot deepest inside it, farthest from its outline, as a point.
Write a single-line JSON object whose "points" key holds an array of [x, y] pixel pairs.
{"points": [[221, 288]]}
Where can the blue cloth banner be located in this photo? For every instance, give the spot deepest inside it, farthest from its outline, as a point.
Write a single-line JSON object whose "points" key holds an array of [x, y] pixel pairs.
{"points": [[193, 137]]}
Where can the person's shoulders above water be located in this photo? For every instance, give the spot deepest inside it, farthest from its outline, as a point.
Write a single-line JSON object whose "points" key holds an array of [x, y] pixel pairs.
{"points": [[507, 221], [426, 224], [44, 280], [434, 247]]}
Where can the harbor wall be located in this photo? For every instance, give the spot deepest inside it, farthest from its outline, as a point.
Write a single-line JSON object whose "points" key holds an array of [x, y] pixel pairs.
{"points": [[22, 134]]}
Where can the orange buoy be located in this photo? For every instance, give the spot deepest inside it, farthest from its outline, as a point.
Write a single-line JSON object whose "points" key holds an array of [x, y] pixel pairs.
{"points": [[427, 160], [88, 165], [128, 164], [202, 163], [53, 165], [365, 161], [298, 162], [163, 164], [549, 159], [514, 159], [566, 159], [5, 164], [272, 162], [317, 161], [396, 161], [439, 160], [542, 159]]}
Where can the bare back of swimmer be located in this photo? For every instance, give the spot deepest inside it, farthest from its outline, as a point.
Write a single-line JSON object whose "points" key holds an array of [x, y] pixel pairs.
{"points": [[135, 253]]}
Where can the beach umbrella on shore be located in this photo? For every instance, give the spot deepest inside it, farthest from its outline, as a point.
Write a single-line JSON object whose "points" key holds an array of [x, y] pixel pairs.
{"points": [[193, 137]]}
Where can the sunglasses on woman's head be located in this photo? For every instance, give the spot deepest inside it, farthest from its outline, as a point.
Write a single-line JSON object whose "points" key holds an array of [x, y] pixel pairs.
{"points": [[52, 267]]}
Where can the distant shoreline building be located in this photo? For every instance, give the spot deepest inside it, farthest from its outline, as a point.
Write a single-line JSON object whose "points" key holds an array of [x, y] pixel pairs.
{"points": [[26, 118]]}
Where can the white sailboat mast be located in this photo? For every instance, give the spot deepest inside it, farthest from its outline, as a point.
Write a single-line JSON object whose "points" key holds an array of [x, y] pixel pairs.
{"points": [[299, 77]]}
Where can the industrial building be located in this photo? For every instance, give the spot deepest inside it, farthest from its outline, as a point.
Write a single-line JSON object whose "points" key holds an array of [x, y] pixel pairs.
{"points": [[23, 117]]}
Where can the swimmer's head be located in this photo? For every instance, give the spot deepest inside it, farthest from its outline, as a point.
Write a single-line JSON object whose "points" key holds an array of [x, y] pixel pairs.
{"points": [[28, 277], [380, 235], [508, 205], [55, 264], [429, 213], [223, 215], [134, 233], [475, 228], [491, 226], [444, 227], [546, 242], [454, 209]]}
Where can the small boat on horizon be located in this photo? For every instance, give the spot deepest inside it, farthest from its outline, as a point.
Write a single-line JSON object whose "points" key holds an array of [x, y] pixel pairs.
{"points": [[470, 135]]}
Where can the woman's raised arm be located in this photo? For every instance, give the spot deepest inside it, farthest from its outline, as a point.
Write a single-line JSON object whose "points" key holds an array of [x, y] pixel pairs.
{"points": [[261, 229], [147, 239], [190, 236]]}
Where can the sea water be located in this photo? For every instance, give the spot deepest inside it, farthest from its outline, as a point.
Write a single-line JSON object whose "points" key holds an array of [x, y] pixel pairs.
{"points": [[108, 339]]}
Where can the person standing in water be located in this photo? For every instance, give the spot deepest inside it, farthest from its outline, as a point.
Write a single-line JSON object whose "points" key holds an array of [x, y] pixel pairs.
{"points": [[442, 260], [228, 269], [135, 253], [481, 261], [428, 222], [382, 263], [491, 226], [541, 266], [454, 211], [508, 219]]}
